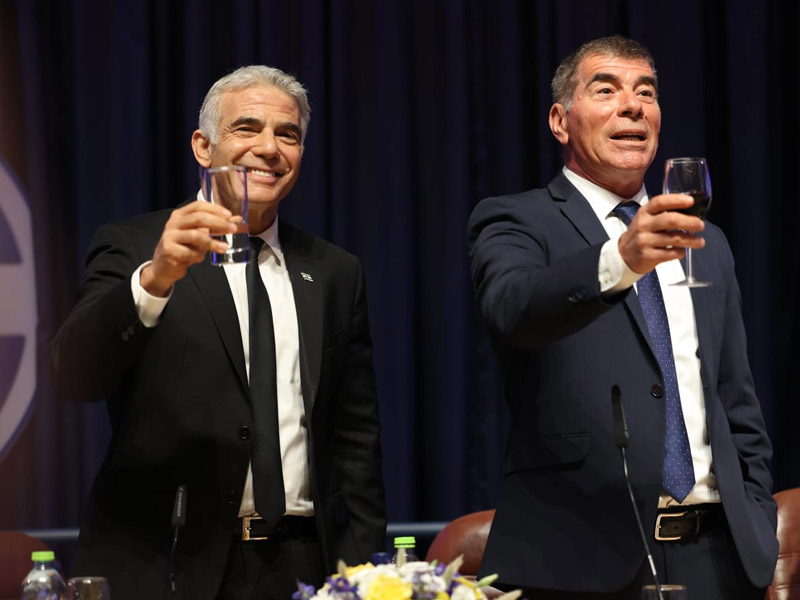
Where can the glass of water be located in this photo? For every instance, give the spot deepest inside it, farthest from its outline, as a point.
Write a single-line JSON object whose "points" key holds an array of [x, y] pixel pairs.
{"points": [[227, 186]]}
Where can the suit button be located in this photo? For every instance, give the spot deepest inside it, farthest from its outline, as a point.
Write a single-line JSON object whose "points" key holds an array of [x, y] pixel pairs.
{"points": [[657, 391], [231, 496], [244, 433]]}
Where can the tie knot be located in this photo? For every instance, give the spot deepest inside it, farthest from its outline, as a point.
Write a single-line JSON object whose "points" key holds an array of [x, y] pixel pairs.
{"points": [[256, 243], [626, 211]]}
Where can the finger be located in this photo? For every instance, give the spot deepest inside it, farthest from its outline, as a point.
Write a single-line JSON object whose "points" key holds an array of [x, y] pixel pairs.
{"points": [[212, 223], [665, 202], [203, 206], [670, 221]]}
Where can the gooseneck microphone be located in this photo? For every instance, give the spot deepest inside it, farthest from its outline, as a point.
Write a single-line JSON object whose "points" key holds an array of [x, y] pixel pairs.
{"points": [[178, 521], [621, 440]]}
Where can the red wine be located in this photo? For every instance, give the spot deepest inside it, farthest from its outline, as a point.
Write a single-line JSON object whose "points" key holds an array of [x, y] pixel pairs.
{"points": [[701, 203]]}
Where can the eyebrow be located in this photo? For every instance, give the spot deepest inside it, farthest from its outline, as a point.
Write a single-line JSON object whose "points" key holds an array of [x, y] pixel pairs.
{"points": [[246, 121], [285, 125], [611, 78]]}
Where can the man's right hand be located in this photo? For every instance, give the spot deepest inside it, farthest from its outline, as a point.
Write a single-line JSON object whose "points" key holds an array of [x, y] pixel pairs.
{"points": [[185, 240], [657, 233]]}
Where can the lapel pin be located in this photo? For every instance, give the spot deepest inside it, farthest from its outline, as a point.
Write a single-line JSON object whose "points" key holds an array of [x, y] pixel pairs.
{"points": [[306, 276]]}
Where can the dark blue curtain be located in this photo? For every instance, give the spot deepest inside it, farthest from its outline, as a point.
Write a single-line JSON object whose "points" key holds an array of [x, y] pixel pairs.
{"points": [[420, 108]]}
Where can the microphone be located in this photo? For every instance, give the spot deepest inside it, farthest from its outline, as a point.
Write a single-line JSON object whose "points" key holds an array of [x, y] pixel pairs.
{"points": [[178, 521], [621, 440], [179, 510]]}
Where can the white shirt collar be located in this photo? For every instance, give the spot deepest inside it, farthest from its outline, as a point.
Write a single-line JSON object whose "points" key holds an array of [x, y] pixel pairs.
{"points": [[600, 199]]}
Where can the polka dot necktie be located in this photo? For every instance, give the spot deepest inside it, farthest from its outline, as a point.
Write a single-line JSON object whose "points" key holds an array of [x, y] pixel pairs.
{"points": [[678, 472]]}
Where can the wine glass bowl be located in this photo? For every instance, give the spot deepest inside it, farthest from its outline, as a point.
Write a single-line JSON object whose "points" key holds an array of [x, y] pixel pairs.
{"points": [[690, 176]]}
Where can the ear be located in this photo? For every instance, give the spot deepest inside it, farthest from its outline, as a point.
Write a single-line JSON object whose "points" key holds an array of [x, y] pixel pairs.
{"points": [[201, 146], [558, 123]]}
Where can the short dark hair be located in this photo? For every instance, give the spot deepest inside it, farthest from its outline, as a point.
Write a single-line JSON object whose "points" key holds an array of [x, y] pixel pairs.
{"points": [[565, 79]]}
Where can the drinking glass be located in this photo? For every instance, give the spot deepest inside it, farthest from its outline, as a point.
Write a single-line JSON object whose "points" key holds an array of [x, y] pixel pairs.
{"points": [[88, 588], [668, 592], [689, 176], [227, 186]]}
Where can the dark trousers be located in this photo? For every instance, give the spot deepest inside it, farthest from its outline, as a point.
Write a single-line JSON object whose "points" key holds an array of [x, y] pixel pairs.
{"points": [[267, 570], [708, 565]]}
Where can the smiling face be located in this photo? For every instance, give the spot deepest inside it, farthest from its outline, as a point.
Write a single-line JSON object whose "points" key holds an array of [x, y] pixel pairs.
{"points": [[610, 133], [259, 128]]}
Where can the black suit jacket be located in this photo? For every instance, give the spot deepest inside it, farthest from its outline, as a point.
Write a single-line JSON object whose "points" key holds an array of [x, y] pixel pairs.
{"points": [[563, 518], [178, 399]]}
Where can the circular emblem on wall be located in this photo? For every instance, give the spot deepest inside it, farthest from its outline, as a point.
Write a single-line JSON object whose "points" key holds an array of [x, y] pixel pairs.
{"points": [[18, 313]]}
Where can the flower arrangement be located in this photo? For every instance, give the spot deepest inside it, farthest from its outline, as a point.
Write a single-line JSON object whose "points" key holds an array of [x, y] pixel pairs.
{"points": [[418, 580]]}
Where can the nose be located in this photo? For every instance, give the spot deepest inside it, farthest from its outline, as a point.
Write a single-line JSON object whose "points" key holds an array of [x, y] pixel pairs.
{"points": [[266, 145], [630, 105]]}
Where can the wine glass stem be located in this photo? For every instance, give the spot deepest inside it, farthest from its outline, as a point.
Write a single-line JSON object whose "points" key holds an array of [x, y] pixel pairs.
{"points": [[689, 273]]}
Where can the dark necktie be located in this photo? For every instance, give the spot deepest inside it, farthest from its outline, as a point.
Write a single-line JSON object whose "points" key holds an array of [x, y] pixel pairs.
{"points": [[266, 460], [678, 472]]}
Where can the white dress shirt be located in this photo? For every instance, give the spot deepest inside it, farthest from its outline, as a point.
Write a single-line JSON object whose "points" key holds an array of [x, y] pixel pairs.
{"points": [[291, 412], [614, 275]]}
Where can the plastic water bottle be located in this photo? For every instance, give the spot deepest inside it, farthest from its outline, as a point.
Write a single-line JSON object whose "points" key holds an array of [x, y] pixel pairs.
{"points": [[404, 550], [44, 582]]}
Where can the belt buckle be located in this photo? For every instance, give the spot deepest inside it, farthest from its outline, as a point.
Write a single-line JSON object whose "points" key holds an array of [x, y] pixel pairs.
{"points": [[246, 537], [659, 517]]}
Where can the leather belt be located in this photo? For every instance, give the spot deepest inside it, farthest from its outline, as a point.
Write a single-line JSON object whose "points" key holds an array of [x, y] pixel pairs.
{"points": [[688, 521], [253, 529]]}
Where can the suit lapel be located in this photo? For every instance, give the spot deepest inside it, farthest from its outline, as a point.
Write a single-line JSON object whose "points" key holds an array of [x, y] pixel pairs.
{"points": [[577, 209], [213, 286], [308, 280]]}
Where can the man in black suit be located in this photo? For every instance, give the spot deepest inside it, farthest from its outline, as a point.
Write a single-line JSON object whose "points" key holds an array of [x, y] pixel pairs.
{"points": [[163, 336], [569, 292]]}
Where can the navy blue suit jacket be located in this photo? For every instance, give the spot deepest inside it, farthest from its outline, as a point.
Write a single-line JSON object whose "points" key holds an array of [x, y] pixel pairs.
{"points": [[563, 518]]}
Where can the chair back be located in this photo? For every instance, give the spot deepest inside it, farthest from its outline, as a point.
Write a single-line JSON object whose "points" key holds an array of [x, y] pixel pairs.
{"points": [[463, 536], [786, 581], [15, 561]]}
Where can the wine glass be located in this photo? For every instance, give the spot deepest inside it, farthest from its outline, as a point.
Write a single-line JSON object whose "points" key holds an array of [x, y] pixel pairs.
{"points": [[88, 588], [689, 176]]}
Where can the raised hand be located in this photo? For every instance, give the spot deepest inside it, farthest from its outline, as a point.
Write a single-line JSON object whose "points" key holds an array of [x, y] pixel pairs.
{"points": [[658, 233], [185, 240]]}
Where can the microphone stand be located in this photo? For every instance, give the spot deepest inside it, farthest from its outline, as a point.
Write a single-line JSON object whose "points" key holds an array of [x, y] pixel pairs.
{"points": [[178, 521], [621, 439]]}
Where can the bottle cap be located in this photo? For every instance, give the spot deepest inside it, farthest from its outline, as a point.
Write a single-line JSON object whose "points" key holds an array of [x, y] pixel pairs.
{"points": [[405, 542], [43, 556]]}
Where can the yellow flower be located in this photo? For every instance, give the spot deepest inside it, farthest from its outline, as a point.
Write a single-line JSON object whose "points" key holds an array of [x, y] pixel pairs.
{"points": [[386, 587], [467, 582]]}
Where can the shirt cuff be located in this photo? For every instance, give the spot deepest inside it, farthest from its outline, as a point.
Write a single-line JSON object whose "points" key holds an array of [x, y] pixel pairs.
{"points": [[148, 306], [612, 272]]}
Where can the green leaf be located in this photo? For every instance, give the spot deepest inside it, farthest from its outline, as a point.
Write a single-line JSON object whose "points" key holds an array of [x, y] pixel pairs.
{"points": [[488, 580]]}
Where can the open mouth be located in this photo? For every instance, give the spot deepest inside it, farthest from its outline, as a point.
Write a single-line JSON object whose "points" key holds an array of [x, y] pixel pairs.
{"points": [[629, 137], [263, 173]]}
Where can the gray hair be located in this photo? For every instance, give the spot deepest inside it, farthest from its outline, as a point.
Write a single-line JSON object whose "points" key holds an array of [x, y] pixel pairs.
{"points": [[248, 77], [565, 79]]}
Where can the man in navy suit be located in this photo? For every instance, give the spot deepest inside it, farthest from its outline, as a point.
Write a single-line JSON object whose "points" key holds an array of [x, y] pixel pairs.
{"points": [[559, 277], [163, 336]]}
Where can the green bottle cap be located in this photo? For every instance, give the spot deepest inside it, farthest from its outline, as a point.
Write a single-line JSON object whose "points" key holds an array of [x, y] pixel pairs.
{"points": [[405, 542], [43, 556]]}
